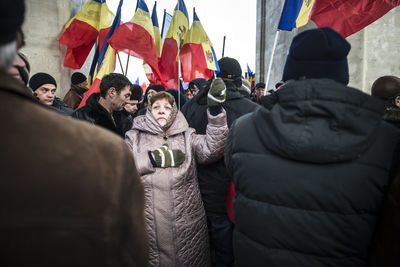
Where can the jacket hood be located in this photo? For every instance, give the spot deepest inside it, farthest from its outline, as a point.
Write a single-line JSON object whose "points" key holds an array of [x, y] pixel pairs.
{"points": [[147, 123], [319, 121]]}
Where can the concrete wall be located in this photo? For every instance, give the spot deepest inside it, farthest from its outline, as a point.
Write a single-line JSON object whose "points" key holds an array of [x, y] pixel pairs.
{"points": [[44, 23], [375, 49]]}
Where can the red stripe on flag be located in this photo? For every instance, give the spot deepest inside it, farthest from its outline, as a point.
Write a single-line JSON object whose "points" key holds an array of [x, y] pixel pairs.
{"points": [[348, 17], [134, 40], [80, 38], [193, 63], [168, 64]]}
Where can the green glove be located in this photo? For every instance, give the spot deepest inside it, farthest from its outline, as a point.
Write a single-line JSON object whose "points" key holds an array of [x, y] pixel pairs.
{"points": [[217, 93], [164, 157]]}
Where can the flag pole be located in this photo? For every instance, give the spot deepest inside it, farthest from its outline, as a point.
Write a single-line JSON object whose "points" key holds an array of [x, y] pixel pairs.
{"points": [[120, 64], [270, 62], [223, 46], [127, 63], [179, 65]]}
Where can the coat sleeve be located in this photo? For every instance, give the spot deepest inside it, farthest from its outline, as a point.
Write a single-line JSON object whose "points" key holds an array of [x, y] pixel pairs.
{"points": [[142, 160], [210, 147], [132, 218]]}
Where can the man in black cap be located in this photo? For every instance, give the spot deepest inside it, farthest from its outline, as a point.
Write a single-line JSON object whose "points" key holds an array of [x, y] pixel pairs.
{"points": [[79, 85], [44, 87], [259, 90], [70, 194], [100, 108], [312, 165], [213, 178]]}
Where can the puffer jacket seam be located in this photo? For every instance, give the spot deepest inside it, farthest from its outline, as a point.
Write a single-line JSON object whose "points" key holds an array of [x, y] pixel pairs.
{"points": [[293, 250], [306, 210]]}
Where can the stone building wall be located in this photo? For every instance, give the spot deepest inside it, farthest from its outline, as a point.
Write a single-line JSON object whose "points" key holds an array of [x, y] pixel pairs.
{"points": [[375, 49], [44, 23]]}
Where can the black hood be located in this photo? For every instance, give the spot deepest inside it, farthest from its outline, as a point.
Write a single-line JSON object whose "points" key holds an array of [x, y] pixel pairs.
{"points": [[319, 121]]}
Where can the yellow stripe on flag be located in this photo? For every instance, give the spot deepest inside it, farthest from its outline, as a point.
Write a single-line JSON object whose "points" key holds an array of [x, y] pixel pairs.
{"points": [[208, 54], [182, 28], [90, 13], [143, 19], [107, 66], [304, 13], [106, 17]]}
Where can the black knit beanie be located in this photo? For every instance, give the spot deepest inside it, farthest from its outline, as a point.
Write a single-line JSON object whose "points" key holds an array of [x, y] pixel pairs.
{"points": [[229, 68], [39, 79], [260, 85], [78, 78], [318, 53], [11, 18], [156, 87]]}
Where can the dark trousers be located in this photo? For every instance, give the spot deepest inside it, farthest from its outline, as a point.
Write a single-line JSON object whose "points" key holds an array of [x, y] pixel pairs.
{"points": [[220, 230]]}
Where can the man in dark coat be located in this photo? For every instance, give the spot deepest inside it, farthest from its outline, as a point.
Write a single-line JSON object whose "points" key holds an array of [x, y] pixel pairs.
{"points": [[213, 178], [387, 88], [386, 247], [115, 91], [310, 167], [44, 87], [70, 194], [78, 87]]}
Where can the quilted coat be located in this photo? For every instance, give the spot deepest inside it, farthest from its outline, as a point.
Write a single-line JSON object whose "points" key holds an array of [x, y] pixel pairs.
{"points": [[174, 210]]}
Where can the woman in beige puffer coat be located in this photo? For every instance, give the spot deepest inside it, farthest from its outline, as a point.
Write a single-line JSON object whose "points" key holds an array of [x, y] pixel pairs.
{"points": [[175, 216]]}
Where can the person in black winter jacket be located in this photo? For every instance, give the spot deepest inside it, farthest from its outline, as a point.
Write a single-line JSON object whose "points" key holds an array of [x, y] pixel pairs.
{"points": [[100, 108], [213, 178], [311, 167]]}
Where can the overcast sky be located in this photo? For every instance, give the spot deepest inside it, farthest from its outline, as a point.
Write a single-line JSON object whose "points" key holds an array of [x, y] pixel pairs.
{"points": [[235, 19]]}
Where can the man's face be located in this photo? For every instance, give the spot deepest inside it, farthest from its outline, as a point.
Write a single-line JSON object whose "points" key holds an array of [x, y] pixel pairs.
{"points": [[259, 92], [46, 93], [83, 84], [195, 90], [119, 100], [17, 63], [150, 93], [131, 106]]}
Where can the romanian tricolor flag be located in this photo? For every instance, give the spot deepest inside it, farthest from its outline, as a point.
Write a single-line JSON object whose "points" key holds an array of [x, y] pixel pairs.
{"points": [[156, 28], [295, 14], [157, 39], [348, 17], [106, 20], [136, 37], [172, 43], [250, 76], [106, 67], [197, 55], [106, 58], [81, 33]]}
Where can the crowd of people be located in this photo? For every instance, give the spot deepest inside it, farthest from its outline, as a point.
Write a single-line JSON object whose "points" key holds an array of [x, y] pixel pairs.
{"points": [[219, 174]]}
